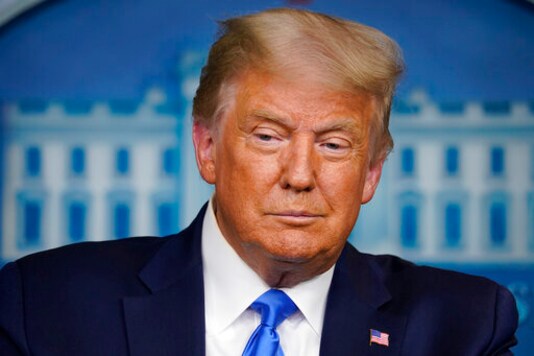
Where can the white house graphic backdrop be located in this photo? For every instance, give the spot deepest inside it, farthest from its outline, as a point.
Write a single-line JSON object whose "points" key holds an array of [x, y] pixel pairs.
{"points": [[95, 129]]}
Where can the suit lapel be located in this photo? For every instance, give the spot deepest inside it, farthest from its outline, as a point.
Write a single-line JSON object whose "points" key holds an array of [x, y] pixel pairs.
{"points": [[359, 301], [170, 321]]}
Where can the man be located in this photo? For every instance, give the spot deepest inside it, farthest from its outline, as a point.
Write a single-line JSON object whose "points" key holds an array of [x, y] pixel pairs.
{"points": [[291, 126]]}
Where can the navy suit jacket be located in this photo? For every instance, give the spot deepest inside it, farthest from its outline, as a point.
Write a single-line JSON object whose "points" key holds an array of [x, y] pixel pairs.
{"points": [[144, 296]]}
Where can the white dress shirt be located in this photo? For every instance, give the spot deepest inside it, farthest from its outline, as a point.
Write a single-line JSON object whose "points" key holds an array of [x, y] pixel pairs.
{"points": [[230, 286]]}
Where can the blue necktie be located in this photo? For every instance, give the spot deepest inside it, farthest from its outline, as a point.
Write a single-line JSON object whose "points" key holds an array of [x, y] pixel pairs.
{"points": [[274, 306]]}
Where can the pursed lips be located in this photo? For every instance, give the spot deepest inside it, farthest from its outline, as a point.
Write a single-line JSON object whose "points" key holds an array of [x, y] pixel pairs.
{"points": [[297, 213], [296, 216]]}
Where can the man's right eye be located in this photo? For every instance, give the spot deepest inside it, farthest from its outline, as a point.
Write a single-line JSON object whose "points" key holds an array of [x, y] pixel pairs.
{"points": [[264, 137]]}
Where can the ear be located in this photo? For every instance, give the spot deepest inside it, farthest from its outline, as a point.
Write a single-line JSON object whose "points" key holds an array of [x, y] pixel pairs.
{"points": [[371, 181], [204, 151]]}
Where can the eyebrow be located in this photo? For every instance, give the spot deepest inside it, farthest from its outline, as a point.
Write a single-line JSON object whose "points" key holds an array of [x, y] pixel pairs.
{"points": [[347, 124], [269, 116], [342, 124]]}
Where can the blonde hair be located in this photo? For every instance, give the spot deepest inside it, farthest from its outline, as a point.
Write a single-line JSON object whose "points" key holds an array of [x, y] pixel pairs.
{"points": [[344, 55]]}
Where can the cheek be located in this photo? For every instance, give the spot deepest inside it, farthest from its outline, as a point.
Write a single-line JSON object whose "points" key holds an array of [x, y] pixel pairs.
{"points": [[253, 176], [342, 185], [245, 181], [257, 174]]}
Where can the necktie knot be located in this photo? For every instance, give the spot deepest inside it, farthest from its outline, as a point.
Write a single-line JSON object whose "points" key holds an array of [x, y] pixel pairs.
{"points": [[274, 307]]}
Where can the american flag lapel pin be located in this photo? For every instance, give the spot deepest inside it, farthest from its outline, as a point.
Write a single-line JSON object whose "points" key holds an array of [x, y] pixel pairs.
{"points": [[378, 337]]}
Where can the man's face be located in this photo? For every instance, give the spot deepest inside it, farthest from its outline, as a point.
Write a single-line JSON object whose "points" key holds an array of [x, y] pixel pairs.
{"points": [[290, 164]]}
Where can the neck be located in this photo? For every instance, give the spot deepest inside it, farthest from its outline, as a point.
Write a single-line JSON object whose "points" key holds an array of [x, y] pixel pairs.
{"points": [[285, 274]]}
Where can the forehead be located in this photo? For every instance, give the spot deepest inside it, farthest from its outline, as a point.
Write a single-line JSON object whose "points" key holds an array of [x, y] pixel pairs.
{"points": [[275, 97]]}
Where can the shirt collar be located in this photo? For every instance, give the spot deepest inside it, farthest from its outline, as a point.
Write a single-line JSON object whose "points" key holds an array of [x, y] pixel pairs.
{"points": [[230, 285]]}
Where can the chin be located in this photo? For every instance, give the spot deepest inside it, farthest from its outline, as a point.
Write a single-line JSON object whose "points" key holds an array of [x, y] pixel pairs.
{"points": [[294, 255], [295, 247]]}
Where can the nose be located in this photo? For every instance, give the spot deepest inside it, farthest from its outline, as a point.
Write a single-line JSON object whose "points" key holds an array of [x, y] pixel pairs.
{"points": [[298, 173]]}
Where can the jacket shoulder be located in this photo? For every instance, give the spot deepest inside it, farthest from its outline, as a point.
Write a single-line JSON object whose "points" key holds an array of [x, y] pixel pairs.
{"points": [[459, 303], [120, 254], [432, 279], [109, 267]]}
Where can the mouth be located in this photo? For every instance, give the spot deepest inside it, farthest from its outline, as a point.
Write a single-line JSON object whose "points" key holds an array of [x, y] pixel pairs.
{"points": [[296, 217]]}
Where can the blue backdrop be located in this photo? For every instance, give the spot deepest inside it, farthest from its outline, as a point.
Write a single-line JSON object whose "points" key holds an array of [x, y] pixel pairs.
{"points": [[91, 91]]}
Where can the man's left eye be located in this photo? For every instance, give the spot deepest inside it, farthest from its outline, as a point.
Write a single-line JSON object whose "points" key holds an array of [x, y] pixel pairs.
{"points": [[332, 146], [264, 137]]}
